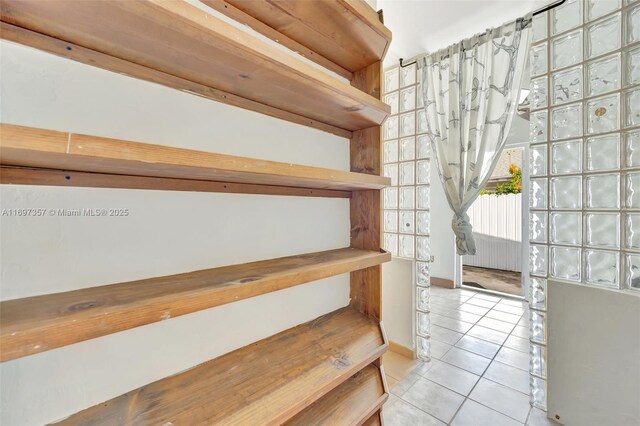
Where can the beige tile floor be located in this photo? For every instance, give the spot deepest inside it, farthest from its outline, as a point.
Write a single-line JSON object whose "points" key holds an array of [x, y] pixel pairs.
{"points": [[479, 372]]}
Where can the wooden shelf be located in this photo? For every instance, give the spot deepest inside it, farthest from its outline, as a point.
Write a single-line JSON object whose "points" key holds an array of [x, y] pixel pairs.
{"points": [[49, 149], [37, 324], [342, 35], [267, 382], [351, 403], [165, 40]]}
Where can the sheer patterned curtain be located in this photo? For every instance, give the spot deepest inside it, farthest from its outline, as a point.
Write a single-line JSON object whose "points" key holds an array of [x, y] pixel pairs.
{"points": [[470, 92]]}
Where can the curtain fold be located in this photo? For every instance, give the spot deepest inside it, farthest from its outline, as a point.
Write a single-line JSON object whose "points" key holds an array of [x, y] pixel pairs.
{"points": [[470, 92]]}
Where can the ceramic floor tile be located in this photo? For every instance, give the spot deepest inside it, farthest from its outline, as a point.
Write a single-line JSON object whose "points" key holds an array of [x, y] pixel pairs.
{"points": [[503, 316], [517, 343], [494, 324], [481, 302], [445, 303], [451, 377], [398, 366], [401, 413], [473, 414], [405, 383], [424, 366], [538, 417], [391, 381], [487, 296], [442, 310], [469, 293], [478, 346], [435, 399], [473, 309], [521, 331], [502, 398], [445, 335], [487, 334], [524, 321], [462, 316], [467, 360], [516, 310], [450, 323], [439, 349], [513, 358], [509, 376], [513, 302]]}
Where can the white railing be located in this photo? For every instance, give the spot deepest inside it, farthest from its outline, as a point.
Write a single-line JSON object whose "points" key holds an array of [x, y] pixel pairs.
{"points": [[497, 229]]}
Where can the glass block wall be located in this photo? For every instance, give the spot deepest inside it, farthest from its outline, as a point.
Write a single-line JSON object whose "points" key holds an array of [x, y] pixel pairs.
{"points": [[406, 159], [585, 156]]}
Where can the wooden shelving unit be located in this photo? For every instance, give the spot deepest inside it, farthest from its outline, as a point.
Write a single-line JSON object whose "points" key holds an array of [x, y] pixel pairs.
{"points": [[267, 382], [328, 370]]}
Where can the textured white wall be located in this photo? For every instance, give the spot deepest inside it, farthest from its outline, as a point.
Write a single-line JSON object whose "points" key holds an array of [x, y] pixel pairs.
{"points": [[397, 301], [167, 232]]}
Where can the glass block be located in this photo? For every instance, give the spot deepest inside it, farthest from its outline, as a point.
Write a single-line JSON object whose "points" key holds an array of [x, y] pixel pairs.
{"points": [[391, 171], [537, 326], [391, 221], [407, 197], [538, 392], [407, 149], [567, 85], [392, 100], [566, 122], [423, 172], [423, 223], [565, 228], [603, 75], [538, 194], [424, 325], [538, 260], [601, 267], [391, 243], [391, 151], [603, 114], [566, 16], [391, 198], [423, 146], [422, 121], [632, 231], [406, 246], [540, 27], [538, 126], [603, 191], [408, 124], [632, 148], [539, 92], [566, 157], [566, 193], [407, 221], [422, 274], [408, 75], [407, 173], [603, 36], [567, 50], [633, 66], [602, 230], [419, 98], [408, 99], [633, 25], [632, 190], [423, 349], [565, 263], [391, 127], [603, 152], [391, 80], [598, 8], [632, 107], [423, 197], [538, 227], [538, 293], [537, 360], [539, 59], [538, 160], [423, 248], [632, 271], [422, 298]]}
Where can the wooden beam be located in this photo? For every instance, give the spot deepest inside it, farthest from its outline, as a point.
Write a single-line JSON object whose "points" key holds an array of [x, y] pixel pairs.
{"points": [[50, 149], [37, 324], [265, 383]]}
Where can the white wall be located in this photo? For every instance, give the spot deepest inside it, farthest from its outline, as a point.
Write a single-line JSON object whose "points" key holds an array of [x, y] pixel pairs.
{"points": [[167, 232], [594, 353], [397, 301]]}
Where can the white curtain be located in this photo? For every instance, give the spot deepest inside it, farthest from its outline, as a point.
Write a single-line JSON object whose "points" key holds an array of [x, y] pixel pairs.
{"points": [[471, 92]]}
